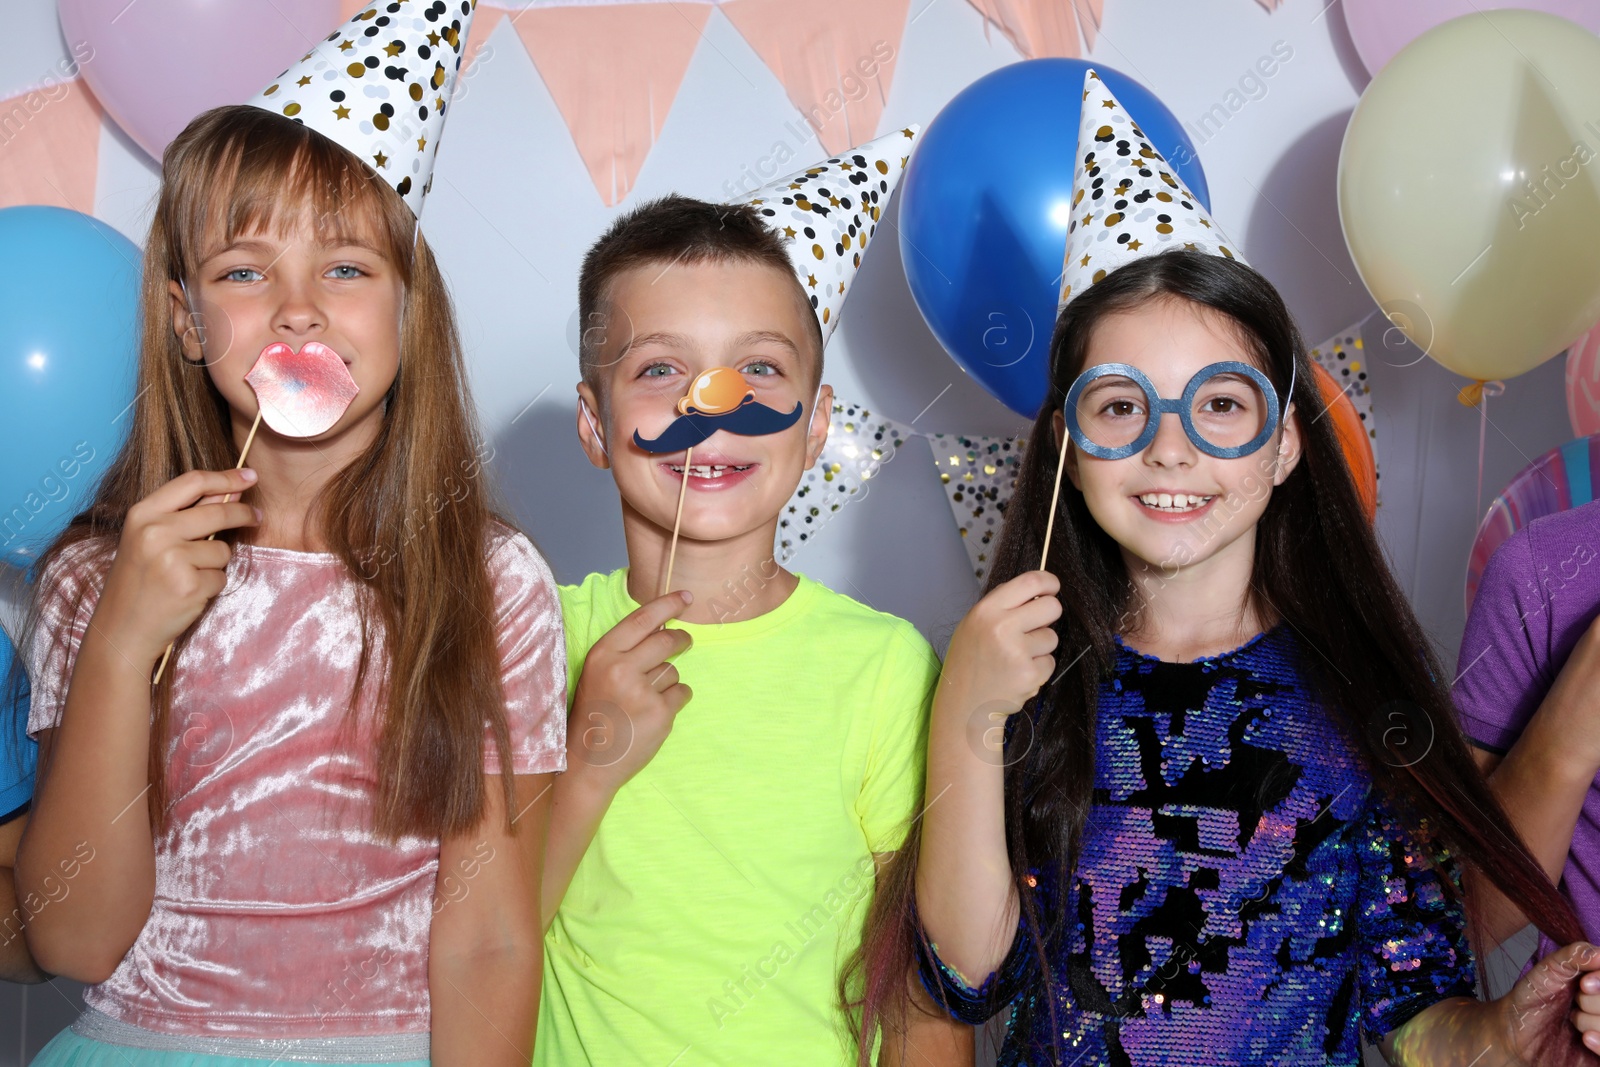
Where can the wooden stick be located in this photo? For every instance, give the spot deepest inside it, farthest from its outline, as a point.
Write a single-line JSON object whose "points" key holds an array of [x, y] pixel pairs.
{"points": [[1055, 495], [243, 452], [683, 490]]}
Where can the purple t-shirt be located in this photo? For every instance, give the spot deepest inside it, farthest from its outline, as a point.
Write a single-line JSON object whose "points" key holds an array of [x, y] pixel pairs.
{"points": [[1538, 596]]}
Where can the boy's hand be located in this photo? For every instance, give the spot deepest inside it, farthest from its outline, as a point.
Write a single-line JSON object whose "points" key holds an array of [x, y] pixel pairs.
{"points": [[628, 694], [1000, 654], [166, 570]]}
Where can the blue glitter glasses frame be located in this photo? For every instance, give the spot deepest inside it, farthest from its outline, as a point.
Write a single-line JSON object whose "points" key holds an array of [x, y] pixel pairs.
{"points": [[1181, 407]]}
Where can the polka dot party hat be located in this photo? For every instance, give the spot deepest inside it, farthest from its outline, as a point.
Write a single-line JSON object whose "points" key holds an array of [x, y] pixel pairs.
{"points": [[379, 87], [1127, 200], [827, 214]]}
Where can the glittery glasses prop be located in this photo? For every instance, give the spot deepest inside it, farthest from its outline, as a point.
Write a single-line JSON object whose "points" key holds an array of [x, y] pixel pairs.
{"points": [[718, 399], [1228, 410], [1113, 411], [298, 394]]}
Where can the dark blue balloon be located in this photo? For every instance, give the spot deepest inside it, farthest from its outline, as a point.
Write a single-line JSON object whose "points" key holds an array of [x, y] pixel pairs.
{"points": [[69, 311], [984, 210]]}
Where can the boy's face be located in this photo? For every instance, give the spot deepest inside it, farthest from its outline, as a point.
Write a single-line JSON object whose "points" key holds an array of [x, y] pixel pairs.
{"points": [[663, 325]]}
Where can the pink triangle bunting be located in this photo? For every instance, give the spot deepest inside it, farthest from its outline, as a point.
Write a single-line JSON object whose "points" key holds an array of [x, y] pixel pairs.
{"points": [[50, 146], [613, 70], [1046, 28], [835, 58]]}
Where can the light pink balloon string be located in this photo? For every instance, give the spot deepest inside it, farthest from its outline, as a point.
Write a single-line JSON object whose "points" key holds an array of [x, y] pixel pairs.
{"points": [[1494, 388]]}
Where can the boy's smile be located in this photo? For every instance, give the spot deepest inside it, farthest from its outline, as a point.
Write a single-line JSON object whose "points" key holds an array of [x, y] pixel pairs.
{"points": [[666, 325]]}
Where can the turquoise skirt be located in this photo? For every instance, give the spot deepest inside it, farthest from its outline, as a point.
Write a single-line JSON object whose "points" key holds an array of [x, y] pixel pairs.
{"points": [[72, 1049]]}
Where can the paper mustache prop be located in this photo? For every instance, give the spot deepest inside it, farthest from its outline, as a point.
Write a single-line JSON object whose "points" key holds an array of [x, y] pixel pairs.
{"points": [[301, 394], [718, 399]]}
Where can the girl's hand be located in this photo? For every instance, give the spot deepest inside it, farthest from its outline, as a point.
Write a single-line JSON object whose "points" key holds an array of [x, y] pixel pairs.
{"points": [[1000, 654], [628, 695], [166, 570]]}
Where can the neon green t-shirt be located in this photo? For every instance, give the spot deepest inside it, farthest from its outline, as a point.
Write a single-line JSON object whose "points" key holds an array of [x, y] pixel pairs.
{"points": [[730, 877]]}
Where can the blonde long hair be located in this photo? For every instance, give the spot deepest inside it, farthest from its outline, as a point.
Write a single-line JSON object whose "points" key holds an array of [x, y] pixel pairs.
{"points": [[234, 170]]}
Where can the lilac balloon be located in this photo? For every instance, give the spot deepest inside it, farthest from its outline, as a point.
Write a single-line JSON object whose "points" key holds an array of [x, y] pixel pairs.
{"points": [[1381, 28], [156, 64]]}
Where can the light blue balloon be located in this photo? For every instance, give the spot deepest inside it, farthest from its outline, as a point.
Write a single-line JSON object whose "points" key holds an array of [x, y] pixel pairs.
{"points": [[69, 311]]}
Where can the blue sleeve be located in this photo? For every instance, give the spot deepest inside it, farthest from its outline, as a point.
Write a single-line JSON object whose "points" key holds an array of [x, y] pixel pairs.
{"points": [[18, 751], [976, 1005], [1413, 948]]}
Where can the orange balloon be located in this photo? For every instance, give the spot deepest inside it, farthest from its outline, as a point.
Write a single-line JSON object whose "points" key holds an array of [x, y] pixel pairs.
{"points": [[1353, 440]]}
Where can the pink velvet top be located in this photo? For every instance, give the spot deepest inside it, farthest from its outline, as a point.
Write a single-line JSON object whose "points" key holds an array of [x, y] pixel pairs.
{"points": [[278, 912]]}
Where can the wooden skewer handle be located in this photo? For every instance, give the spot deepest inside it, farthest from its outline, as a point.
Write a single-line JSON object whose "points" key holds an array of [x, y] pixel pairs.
{"points": [[672, 553], [226, 498]]}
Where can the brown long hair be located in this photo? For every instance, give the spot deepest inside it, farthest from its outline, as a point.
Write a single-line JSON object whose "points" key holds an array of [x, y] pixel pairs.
{"points": [[1318, 567], [234, 170]]}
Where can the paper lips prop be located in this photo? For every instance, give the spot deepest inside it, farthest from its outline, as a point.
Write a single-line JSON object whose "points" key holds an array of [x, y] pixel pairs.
{"points": [[302, 394], [718, 399]]}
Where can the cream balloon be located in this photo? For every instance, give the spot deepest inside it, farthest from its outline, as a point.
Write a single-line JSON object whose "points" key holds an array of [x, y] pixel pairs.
{"points": [[1469, 190]]}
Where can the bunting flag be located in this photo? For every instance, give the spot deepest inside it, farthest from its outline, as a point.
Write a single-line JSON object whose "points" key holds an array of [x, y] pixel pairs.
{"points": [[50, 146], [613, 71], [1344, 357], [1038, 29], [859, 444], [979, 475], [835, 58]]}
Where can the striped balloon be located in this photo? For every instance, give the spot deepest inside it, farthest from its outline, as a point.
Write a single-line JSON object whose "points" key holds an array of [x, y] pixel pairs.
{"points": [[1560, 479]]}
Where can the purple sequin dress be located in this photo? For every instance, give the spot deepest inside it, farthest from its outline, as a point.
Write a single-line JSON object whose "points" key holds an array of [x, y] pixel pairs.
{"points": [[1244, 896]]}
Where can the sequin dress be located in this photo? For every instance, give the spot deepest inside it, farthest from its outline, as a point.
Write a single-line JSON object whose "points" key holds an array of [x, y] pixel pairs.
{"points": [[1244, 895]]}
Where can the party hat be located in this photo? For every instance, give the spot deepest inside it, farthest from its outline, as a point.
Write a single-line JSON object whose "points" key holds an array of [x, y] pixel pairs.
{"points": [[827, 213], [379, 87], [1127, 200]]}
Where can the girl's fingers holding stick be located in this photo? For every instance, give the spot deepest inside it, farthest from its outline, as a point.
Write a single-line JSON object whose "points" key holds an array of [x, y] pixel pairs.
{"points": [[190, 488], [205, 520]]}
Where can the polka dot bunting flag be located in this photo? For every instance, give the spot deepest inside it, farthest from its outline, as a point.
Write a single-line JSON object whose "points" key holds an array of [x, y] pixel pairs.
{"points": [[829, 212], [859, 444], [978, 474], [379, 87], [1127, 200], [1344, 357]]}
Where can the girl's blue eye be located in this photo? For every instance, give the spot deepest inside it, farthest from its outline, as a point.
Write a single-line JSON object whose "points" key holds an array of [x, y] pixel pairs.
{"points": [[355, 272], [233, 275]]}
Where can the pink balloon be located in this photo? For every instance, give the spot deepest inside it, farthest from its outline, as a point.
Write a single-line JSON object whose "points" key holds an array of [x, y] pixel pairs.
{"points": [[1583, 383], [1381, 28], [156, 64]]}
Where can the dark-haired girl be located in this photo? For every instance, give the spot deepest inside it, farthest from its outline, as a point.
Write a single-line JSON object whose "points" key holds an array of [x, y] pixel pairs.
{"points": [[1231, 818]]}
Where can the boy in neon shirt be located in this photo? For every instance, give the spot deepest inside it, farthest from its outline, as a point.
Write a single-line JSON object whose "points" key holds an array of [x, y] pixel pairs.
{"points": [[714, 851]]}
